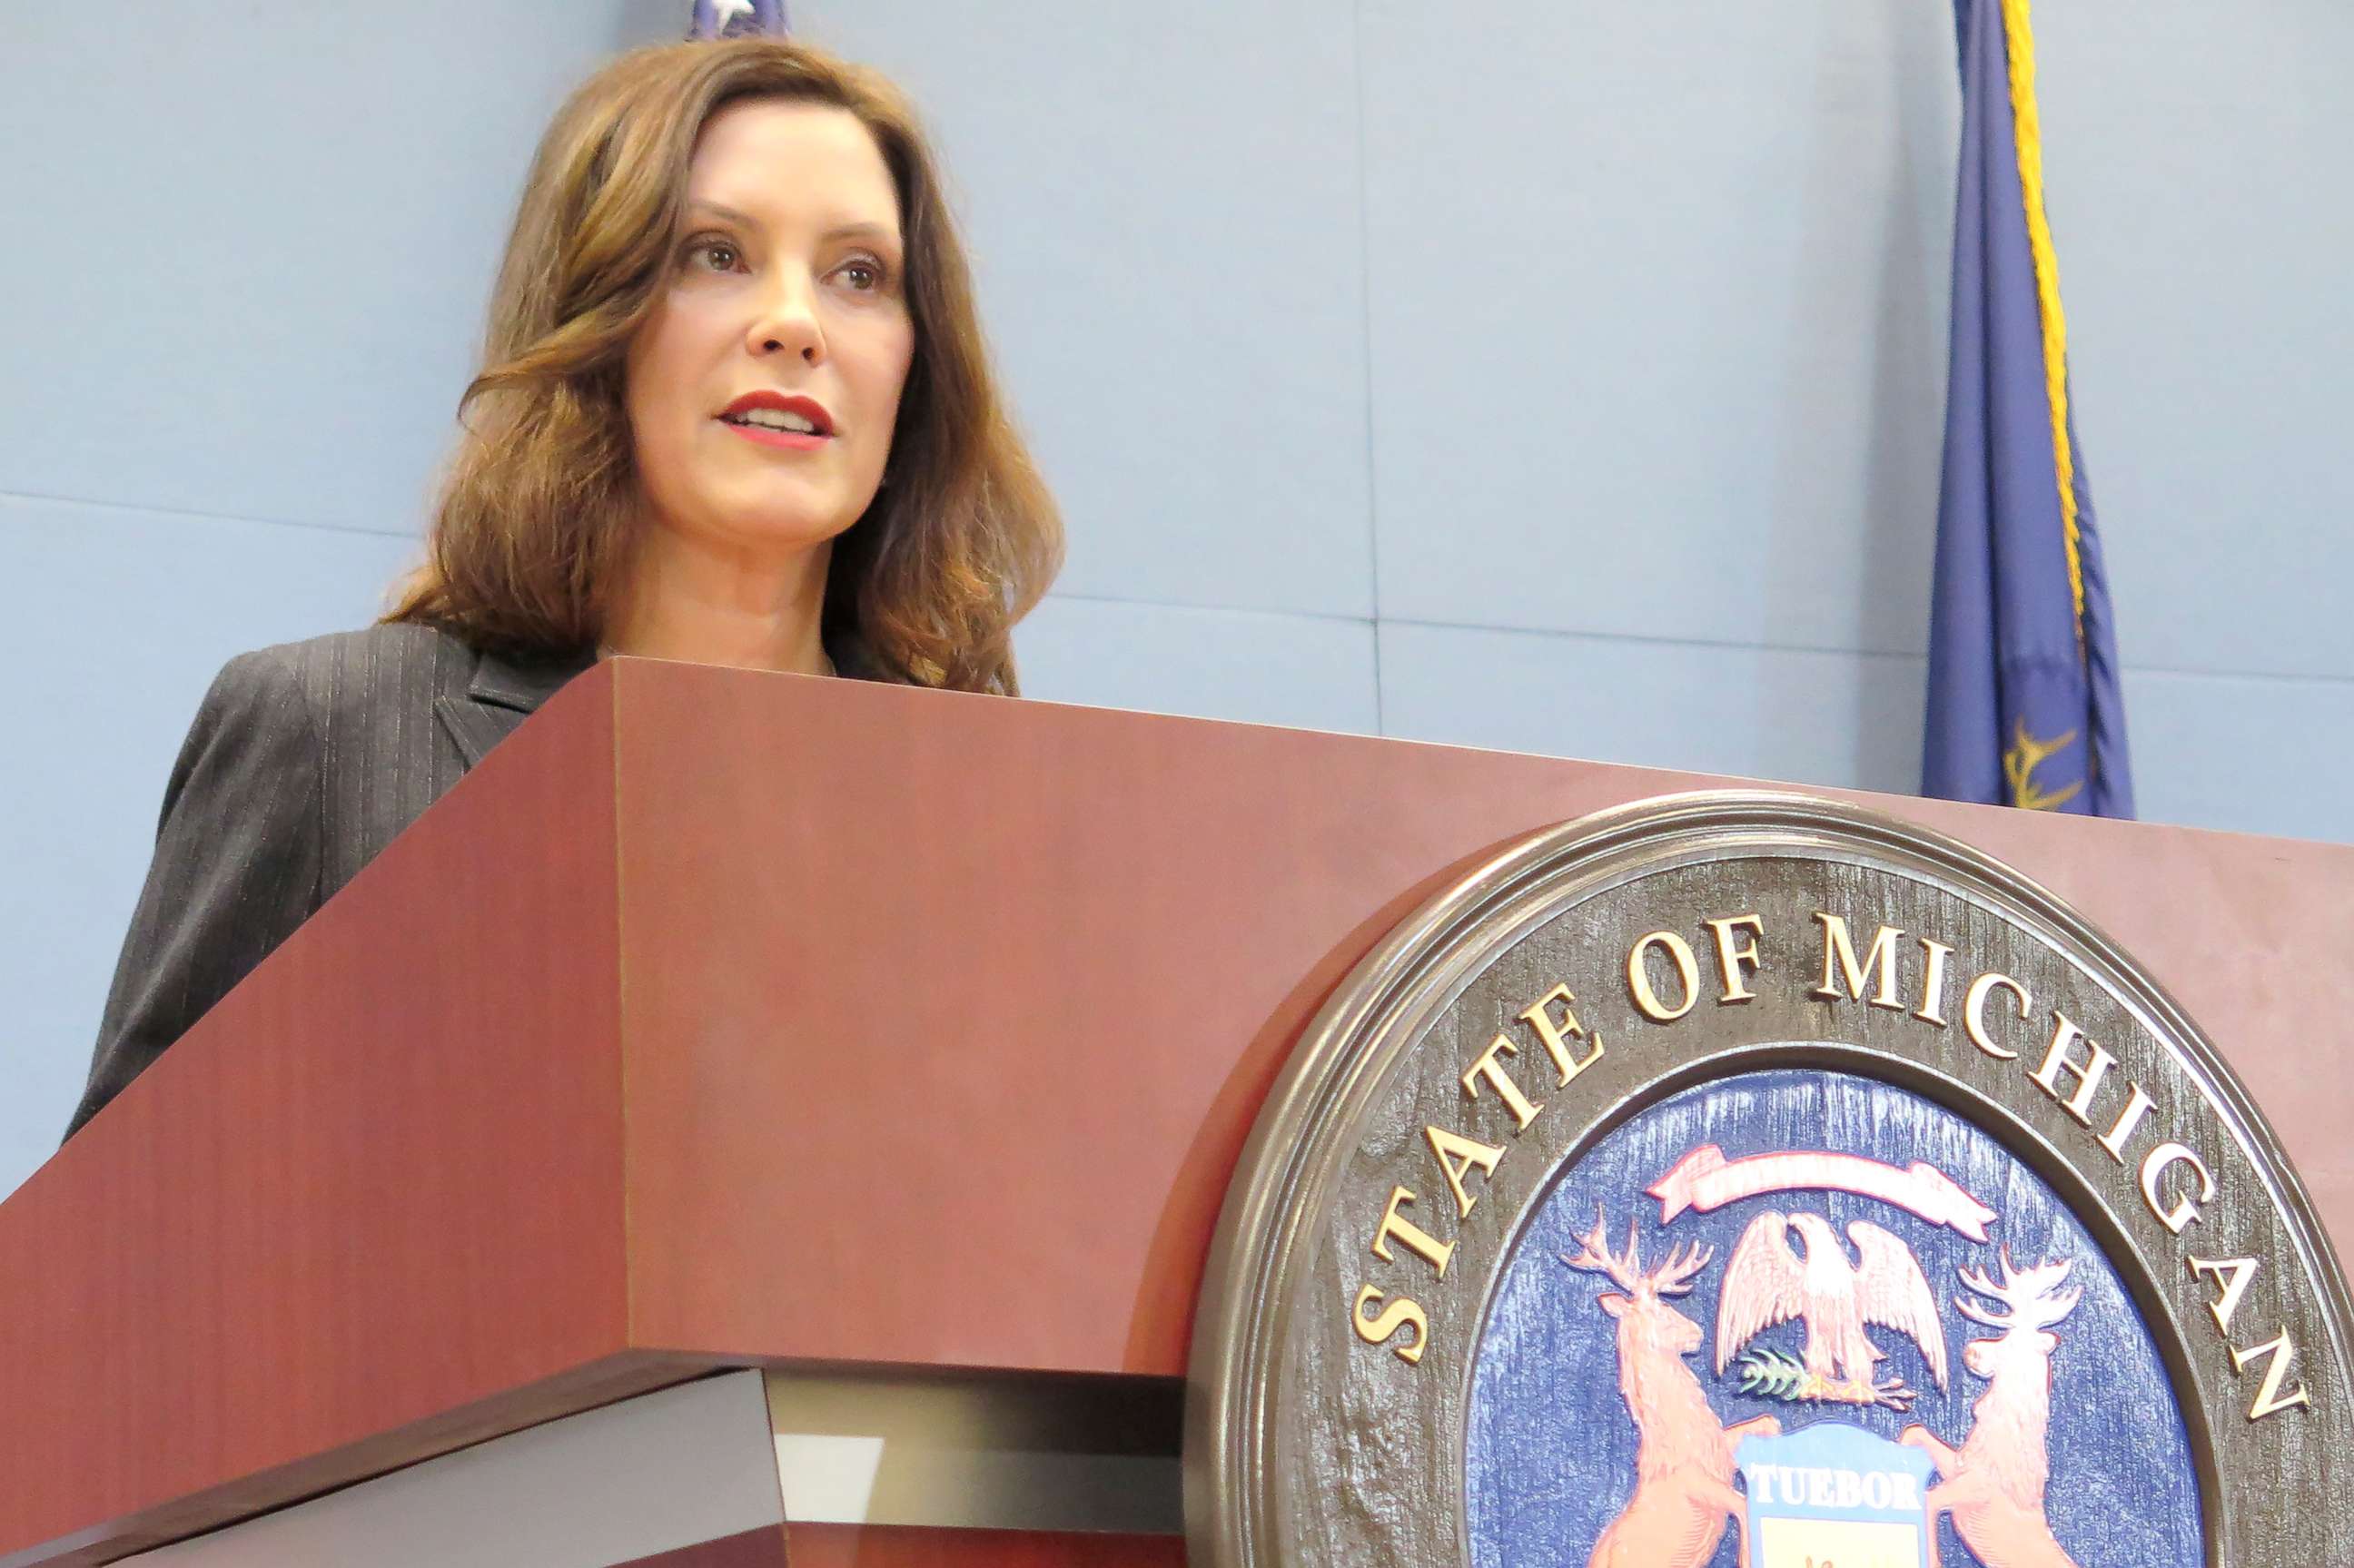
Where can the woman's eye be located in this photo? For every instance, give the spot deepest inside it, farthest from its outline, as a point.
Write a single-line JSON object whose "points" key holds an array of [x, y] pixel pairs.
{"points": [[713, 255], [865, 276]]}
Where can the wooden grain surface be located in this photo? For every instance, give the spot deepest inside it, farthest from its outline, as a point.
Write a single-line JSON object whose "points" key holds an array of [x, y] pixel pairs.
{"points": [[1006, 983], [724, 1018], [367, 1209]]}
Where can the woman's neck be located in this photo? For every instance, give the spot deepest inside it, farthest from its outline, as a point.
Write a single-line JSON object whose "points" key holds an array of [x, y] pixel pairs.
{"points": [[718, 606]]}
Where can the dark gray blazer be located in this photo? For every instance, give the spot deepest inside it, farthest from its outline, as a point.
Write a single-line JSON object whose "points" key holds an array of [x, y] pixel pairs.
{"points": [[303, 763]]}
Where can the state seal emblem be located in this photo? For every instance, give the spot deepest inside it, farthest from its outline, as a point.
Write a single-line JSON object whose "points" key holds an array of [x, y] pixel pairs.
{"points": [[1743, 1181]]}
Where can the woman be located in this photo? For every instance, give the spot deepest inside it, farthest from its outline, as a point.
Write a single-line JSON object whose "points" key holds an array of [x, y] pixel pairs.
{"points": [[734, 408]]}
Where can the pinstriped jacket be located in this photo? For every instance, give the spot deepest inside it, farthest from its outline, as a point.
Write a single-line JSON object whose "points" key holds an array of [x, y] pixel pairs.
{"points": [[304, 761]]}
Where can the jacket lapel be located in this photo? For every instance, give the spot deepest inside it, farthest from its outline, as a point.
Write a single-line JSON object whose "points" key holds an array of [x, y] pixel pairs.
{"points": [[500, 694]]}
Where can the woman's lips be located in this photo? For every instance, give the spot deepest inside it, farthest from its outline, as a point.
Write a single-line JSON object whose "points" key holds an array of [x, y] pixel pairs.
{"points": [[790, 440]]}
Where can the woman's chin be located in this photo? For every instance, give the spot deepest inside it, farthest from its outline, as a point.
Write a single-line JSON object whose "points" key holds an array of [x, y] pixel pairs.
{"points": [[795, 535], [773, 529]]}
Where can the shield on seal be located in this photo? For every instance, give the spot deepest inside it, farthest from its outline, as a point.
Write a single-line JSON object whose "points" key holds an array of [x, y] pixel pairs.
{"points": [[1833, 1494]]}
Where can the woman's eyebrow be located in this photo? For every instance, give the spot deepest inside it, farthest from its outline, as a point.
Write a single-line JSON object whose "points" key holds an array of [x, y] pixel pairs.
{"points": [[882, 231], [842, 231], [722, 210]]}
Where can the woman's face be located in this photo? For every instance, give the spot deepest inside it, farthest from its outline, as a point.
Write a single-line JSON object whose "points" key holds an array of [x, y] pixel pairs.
{"points": [[763, 389]]}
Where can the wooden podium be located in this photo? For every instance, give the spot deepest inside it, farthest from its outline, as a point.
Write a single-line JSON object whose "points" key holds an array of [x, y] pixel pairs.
{"points": [[755, 1114]]}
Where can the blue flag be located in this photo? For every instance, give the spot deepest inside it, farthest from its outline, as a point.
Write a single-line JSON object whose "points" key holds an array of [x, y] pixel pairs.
{"points": [[736, 18], [2025, 708]]}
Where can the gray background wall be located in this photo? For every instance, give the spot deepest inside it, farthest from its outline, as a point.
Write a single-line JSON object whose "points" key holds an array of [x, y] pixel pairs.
{"points": [[1537, 373]]}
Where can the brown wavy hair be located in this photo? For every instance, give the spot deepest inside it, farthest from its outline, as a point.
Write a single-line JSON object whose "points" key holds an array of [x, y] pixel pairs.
{"points": [[533, 531]]}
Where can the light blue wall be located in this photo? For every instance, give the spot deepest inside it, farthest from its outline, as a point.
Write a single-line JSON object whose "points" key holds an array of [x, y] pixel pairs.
{"points": [[1553, 376]]}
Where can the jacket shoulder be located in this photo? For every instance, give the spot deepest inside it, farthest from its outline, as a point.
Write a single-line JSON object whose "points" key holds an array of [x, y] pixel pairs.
{"points": [[381, 751], [345, 673], [305, 760]]}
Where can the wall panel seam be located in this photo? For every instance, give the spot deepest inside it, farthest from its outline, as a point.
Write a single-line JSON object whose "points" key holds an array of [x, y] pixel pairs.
{"points": [[95, 504], [2285, 678]]}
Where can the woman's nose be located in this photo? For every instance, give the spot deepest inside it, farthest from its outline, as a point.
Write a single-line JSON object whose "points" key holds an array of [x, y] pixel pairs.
{"points": [[788, 323]]}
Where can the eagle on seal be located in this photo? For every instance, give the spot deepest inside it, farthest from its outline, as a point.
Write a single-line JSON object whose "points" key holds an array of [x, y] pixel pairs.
{"points": [[1767, 1283]]}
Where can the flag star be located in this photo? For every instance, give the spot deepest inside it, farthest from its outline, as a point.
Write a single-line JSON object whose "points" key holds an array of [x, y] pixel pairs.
{"points": [[723, 12]]}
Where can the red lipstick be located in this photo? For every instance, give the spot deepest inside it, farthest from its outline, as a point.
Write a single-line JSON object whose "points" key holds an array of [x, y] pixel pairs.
{"points": [[738, 417]]}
